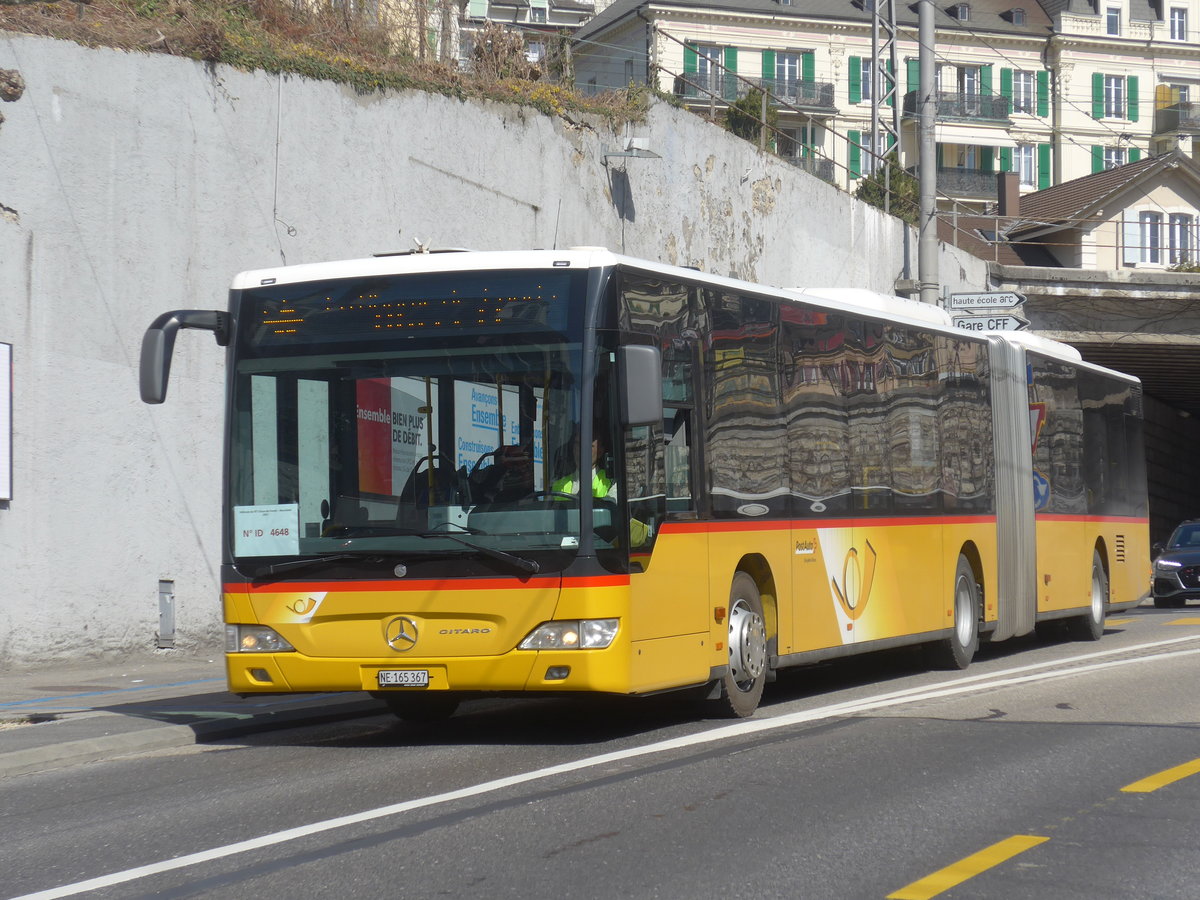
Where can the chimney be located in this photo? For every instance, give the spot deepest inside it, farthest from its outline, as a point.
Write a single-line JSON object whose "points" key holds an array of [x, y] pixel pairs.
{"points": [[1008, 190]]}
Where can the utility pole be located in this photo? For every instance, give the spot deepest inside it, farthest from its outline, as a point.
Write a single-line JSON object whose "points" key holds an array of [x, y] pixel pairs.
{"points": [[927, 241], [886, 101]]}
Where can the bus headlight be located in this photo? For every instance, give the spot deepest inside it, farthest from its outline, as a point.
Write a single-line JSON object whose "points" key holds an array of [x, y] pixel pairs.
{"points": [[583, 634], [254, 639]]}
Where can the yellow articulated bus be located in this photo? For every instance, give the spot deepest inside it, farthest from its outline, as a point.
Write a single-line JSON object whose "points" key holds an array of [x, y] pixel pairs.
{"points": [[454, 474]]}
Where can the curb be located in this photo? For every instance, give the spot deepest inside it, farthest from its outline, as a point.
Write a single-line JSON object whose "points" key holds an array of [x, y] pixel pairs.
{"points": [[166, 736]]}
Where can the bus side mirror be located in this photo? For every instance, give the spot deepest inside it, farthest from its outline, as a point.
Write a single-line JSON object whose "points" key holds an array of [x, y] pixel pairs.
{"points": [[639, 373], [158, 345]]}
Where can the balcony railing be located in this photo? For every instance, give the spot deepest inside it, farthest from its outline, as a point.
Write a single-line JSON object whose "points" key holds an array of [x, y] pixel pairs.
{"points": [[815, 95], [726, 87], [1184, 117], [951, 105], [954, 182], [813, 165]]}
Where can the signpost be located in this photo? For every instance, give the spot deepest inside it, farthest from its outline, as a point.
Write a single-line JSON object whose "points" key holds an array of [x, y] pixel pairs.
{"points": [[997, 322], [987, 311], [986, 300]]}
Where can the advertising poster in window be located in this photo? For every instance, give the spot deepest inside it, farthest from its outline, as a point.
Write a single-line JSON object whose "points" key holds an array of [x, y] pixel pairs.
{"points": [[391, 434]]}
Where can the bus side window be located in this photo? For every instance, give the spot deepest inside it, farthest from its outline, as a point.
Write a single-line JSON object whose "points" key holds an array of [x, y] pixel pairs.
{"points": [[645, 484], [677, 429]]}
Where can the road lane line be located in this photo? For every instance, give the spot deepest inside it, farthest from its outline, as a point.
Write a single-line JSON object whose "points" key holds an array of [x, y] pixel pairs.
{"points": [[1189, 621], [965, 869], [1004, 678], [1162, 779]]}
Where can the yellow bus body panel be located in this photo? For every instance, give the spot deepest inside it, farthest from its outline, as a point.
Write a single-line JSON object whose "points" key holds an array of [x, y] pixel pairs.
{"points": [[824, 586]]}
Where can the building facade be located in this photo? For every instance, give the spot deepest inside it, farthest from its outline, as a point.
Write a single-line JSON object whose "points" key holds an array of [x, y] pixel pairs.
{"points": [[1051, 90]]}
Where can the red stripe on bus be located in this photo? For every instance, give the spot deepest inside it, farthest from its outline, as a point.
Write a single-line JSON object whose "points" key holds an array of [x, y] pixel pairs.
{"points": [[1069, 517], [427, 584], [801, 524]]}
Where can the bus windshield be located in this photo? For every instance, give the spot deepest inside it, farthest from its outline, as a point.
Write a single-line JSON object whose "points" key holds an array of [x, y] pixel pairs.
{"points": [[422, 414]]}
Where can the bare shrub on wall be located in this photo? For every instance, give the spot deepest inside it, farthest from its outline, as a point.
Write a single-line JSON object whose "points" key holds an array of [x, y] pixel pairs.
{"points": [[500, 54]]}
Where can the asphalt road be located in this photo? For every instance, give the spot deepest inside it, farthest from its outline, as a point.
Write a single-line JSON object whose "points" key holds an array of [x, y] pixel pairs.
{"points": [[868, 778]]}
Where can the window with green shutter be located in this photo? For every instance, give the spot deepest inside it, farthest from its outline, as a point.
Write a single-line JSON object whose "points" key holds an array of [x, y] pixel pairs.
{"points": [[768, 65], [1043, 93], [1097, 158], [689, 59], [1131, 90], [855, 164], [1097, 95], [1134, 154], [1006, 159], [808, 67], [987, 159], [856, 79], [1043, 175], [912, 75]]}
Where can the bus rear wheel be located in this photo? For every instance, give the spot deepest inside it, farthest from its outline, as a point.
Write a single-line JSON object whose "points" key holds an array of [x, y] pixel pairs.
{"points": [[1090, 627], [957, 650], [435, 706], [742, 685]]}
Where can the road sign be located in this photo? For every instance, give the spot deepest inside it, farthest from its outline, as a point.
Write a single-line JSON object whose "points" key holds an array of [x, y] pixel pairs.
{"points": [[997, 322], [985, 300]]}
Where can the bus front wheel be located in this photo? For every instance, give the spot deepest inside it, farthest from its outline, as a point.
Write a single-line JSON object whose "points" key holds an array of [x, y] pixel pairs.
{"points": [[957, 650], [742, 685]]}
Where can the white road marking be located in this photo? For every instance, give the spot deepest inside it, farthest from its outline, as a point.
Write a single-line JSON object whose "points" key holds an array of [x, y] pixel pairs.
{"points": [[1004, 678]]}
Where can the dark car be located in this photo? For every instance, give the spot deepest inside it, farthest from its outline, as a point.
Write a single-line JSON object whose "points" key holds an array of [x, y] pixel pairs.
{"points": [[1177, 567]]}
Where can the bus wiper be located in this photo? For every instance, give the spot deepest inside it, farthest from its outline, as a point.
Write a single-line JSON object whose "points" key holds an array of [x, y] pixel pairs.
{"points": [[306, 562], [528, 566]]}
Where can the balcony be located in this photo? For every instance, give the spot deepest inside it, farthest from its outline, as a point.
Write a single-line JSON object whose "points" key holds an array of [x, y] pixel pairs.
{"points": [[813, 165], [816, 96], [981, 109], [955, 182], [1179, 117], [725, 87]]}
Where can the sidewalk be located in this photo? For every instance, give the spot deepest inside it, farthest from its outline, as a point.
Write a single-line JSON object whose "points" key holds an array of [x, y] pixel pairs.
{"points": [[68, 714]]}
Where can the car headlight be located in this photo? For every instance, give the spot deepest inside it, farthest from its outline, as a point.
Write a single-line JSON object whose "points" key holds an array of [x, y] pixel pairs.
{"points": [[254, 639], [579, 634], [1167, 565]]}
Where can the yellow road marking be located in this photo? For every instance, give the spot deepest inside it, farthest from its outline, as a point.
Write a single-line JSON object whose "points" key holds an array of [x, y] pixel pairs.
{"points": [[1192, 621], [956, 873], [1117, 621], [1162, 779]]}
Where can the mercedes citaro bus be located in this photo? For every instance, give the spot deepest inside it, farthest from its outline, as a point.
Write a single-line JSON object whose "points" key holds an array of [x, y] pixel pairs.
{"points": [[785, 476]]}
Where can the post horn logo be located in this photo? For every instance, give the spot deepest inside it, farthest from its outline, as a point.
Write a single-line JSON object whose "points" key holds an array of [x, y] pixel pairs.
{"points": [[401, 633], [855, 589]]}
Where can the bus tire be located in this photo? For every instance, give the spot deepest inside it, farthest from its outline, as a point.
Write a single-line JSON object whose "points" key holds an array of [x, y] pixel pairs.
{"points": [[957, 650], [742, 684], [1090, 627], [434, 706]]}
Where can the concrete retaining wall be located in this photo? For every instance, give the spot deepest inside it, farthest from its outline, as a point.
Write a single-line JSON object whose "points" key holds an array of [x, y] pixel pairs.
{"points": [[134, 184]]}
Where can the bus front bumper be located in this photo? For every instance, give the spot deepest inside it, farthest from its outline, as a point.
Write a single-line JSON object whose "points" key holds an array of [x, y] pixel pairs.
{"points": [[605, 671]]}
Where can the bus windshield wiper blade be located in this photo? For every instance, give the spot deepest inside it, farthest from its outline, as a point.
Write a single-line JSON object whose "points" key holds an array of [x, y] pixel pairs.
{"points": [[528, 566], [307, 561]]}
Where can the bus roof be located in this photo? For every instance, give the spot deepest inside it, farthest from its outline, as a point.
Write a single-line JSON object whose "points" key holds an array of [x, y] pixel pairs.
{"points": [[852, 300]]}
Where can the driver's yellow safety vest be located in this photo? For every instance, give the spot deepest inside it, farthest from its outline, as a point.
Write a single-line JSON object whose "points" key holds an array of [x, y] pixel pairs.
{"points": [[602, 485]]}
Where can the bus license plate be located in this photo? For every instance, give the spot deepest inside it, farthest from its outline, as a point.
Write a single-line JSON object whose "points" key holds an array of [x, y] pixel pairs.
{"points": [[404, 678]]}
